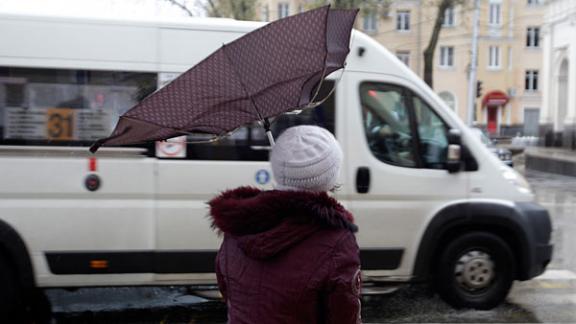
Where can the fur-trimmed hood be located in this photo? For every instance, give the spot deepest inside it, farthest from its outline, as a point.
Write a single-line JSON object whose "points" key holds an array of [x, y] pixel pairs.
{"points": [[267, 222]]}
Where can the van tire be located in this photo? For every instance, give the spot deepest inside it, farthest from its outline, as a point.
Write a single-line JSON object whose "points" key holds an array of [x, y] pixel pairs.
{"points": [[475, 270], [11, 297]]}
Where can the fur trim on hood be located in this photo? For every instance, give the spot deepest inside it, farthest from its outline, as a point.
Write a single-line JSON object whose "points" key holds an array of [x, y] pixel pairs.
{"points": [[267, 222]]}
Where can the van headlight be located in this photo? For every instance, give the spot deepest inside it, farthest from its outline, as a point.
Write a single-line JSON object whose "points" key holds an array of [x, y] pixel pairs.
{"points": [[504, 154], [516, 180]]}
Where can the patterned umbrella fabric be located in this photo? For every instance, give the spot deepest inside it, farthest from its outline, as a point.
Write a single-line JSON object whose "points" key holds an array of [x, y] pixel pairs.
{"points": [[267, 72]]}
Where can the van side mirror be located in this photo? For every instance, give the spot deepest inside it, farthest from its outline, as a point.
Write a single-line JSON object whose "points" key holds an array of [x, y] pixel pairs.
{"points": [[454, 158]]}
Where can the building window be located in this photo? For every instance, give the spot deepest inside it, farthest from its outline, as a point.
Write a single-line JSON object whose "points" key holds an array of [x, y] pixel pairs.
{"points": [[446, 56], [494, 58], [533, 37], [449, 99], [404, 56], [403, 20], [534, 2], [370, 22], [531, 81], [449, 19], [283, 10], [495, 18], [265, 13]]}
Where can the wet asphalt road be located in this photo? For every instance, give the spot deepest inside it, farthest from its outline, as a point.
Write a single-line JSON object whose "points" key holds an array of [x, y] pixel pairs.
{"points": [[547, 299]]}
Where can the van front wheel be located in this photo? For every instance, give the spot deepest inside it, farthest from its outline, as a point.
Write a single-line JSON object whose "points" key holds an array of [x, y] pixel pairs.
{"points": [[475, 270]]}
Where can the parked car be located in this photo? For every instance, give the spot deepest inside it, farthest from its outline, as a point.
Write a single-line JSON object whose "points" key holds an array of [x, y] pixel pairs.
{"points": [[504, 154]]}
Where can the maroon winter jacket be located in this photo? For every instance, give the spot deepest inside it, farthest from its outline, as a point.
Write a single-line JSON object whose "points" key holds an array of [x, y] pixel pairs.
{"points": [[287, 257]]}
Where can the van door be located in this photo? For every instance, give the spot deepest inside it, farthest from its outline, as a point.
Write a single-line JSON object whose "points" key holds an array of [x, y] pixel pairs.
{"points": [[396, 150]]}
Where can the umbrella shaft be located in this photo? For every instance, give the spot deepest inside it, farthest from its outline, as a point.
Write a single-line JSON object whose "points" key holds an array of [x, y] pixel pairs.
{"points": [[270, 137]]}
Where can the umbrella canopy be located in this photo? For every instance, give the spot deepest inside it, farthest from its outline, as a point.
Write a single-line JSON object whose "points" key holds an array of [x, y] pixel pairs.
{"points": [[269, 71]]}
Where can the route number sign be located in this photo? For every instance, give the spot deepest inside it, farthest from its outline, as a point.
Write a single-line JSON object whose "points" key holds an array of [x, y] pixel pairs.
{"points": [[60, 124]]}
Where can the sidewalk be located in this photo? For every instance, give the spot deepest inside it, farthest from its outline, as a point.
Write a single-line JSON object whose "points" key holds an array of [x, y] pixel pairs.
{"points": [[551, 160]]}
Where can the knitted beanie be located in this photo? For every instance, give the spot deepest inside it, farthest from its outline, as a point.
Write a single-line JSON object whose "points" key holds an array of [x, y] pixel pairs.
{"points": [[306, 158]]}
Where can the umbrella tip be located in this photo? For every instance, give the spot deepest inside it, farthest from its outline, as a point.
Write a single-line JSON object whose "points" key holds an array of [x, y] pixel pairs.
{"points": [[95, 146]]}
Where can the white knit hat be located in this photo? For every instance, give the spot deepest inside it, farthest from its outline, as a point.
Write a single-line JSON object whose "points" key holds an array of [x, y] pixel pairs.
{"points": [[306, 158]]}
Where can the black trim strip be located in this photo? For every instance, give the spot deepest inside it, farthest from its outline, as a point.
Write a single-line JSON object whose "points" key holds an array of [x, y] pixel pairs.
{"points": [[117, 262], [132, 262], [381, 259]]}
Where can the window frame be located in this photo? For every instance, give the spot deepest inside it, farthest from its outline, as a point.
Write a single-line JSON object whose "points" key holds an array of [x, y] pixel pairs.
{"points": [[283, 9], [531, 80], [370, 20], [448, 58], [451, 13], [453, 99], [494, 57], [403, 21], [265, 13], [495, 14], [404, 57], [408, 96], [533, 37]]}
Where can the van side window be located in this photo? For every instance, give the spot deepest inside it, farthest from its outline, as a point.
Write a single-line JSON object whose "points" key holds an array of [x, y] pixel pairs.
{"points": [[250, 143], [387, 124], [433, 135], [61, 107], [401, 129]]}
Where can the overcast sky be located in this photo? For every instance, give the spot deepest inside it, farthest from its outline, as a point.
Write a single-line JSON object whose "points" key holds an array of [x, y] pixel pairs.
{"points": [[101, 8]]}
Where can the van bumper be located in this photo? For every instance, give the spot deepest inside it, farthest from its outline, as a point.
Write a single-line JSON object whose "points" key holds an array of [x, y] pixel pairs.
{"points": [[538, 229]]}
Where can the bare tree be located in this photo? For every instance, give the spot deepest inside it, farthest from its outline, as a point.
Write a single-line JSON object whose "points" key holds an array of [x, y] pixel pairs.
{"points": [[443, 5], [181, 6], [237, 9]]}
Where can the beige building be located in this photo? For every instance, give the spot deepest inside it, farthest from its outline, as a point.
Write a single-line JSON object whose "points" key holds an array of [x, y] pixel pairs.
{"points": [[509, 53]]}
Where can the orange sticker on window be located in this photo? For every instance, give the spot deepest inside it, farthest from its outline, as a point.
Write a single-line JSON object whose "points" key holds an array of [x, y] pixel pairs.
{"points": [[60, 124]]}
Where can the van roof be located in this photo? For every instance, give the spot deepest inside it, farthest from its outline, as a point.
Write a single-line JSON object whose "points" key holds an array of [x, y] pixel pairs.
{"points": [[181, 22]]}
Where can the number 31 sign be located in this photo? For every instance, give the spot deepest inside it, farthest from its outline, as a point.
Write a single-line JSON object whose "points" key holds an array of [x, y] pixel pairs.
{"points": [[60, 124]]}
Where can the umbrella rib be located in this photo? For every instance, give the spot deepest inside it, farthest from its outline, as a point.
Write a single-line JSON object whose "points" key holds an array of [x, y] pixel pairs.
{"points": [[325, 56], [224, 47]]}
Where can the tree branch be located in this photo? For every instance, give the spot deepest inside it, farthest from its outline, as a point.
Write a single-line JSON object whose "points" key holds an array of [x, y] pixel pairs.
{"points": [[431, 48], [181, 6]]}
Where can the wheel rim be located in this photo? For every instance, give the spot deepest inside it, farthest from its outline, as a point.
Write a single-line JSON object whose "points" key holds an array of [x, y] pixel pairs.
{"points": [[474, 270]]}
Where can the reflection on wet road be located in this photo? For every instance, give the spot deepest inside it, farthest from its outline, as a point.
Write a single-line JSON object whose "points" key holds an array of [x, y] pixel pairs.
{"points": [[558, 194]]}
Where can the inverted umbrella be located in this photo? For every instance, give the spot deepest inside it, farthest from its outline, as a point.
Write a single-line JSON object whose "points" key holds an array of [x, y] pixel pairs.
{"points": [[269, 71]]}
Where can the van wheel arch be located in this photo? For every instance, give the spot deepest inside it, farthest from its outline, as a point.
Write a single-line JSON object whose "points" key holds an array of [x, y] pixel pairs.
{"points": [[14, 248], [456, 220], [19, 263]]}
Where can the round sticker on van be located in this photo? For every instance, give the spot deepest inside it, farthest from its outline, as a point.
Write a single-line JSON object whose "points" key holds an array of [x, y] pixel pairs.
{"points": [[262, 177]]}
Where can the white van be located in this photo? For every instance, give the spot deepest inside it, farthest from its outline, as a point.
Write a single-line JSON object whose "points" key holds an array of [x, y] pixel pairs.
{"points": [[137, 215]]}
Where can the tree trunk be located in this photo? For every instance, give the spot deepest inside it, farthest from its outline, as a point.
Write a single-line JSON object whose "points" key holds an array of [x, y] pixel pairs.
{"points": [[429, 51]]}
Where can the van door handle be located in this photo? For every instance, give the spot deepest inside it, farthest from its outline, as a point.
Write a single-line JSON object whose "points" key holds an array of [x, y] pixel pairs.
{"points": [[363, 180]]}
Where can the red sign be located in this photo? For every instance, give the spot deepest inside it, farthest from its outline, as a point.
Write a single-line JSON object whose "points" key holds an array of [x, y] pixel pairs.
{"points": [[495, 98]]}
